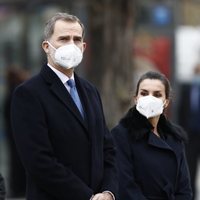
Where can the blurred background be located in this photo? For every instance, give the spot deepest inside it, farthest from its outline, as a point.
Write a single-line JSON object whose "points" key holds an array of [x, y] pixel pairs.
{"points": [[125, 38]]}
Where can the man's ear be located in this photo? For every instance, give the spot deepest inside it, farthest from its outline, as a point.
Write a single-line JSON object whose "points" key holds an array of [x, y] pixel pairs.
{"points": [[45, 46]]}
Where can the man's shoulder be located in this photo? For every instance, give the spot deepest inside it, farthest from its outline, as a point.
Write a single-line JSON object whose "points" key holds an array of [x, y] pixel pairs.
{"points": [[34, 83], [33, 80]]}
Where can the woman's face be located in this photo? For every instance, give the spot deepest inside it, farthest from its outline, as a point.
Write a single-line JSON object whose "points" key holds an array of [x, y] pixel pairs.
{"points": [[152, 87]]}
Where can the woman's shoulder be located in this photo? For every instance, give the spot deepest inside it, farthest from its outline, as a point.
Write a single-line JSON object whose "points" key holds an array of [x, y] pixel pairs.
{"points": [[133, 124], [120, 133], [119, 129], [176, 131]]}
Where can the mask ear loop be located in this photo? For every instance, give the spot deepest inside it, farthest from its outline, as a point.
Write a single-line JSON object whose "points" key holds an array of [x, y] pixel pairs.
{"points": [[50, 45]]}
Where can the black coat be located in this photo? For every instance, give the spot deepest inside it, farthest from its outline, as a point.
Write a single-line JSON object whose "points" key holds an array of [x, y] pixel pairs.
{"points": [[2, 188], [65, 157], [150, 167]]}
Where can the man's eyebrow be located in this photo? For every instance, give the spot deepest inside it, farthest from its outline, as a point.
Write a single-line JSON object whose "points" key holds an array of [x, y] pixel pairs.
{"points": [[78, 37], [63, 37], [67, 37]]}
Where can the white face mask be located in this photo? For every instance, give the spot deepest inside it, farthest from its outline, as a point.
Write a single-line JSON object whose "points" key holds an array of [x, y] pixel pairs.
{"points": [[150, 106], [67, 56]]}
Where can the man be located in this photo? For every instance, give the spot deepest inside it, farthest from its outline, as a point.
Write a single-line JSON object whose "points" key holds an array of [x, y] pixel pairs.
{"points": [[2, 188], [65, 146], [189, 118]]}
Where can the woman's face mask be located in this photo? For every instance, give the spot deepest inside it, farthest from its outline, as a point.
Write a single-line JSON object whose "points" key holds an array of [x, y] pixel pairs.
{"points": [[150, 106], [67, 56]]}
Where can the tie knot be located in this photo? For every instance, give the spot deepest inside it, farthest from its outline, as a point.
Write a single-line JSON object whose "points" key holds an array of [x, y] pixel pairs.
{"points": [[71, 83]]}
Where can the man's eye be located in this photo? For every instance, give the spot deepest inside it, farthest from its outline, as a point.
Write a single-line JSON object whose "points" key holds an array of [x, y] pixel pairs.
{"points": [[77, 39], [63, 39]]}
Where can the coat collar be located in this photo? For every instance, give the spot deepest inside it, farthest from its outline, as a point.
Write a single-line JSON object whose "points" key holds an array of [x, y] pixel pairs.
{"points": [[139, 126]]}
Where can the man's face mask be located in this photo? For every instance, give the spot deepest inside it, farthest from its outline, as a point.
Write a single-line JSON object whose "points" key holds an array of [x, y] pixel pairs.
{"points": [[150, 106], [67, 56]]}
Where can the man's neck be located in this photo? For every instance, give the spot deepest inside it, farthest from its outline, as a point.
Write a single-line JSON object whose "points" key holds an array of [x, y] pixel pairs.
{"points": [[67, 72]]}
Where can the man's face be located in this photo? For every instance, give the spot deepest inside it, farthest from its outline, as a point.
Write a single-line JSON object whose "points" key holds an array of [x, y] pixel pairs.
{"points": [[64, 33]]}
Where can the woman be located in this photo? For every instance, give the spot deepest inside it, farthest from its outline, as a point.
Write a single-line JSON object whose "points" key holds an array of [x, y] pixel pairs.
{"points": [[2, 188], [151, 157]]}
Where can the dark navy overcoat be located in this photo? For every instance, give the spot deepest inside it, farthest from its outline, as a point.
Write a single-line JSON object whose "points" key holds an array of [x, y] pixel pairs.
{"points": [[66, 157], [150, 167]]}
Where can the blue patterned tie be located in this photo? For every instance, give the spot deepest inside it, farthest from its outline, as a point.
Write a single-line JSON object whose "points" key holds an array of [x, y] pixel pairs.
{"points": [[75, 96]]}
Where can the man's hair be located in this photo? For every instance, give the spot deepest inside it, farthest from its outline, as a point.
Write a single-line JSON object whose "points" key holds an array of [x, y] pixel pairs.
{"points": [[49, 28]]}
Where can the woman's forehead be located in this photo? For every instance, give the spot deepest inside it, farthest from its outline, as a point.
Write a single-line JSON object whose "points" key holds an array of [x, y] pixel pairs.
{"points": [[152, 84]]}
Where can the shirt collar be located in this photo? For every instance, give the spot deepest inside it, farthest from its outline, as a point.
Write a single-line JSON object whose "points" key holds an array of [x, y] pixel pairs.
{"points": [[61, 75]]}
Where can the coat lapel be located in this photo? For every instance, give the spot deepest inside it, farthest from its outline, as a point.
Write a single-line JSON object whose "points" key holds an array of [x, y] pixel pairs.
{"points": [[58, 89], [86, 102], [158, 142], [167, 144]]}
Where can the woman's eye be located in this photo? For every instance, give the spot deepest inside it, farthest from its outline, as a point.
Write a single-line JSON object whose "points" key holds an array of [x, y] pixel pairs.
{"points": [[143, 93], [158, 94]]}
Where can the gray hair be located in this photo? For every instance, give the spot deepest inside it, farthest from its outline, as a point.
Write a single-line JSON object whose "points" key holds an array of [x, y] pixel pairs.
{"points": [[49, 28]]}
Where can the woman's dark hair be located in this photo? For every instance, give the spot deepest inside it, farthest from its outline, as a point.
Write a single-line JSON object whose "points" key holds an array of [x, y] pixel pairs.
{"points": [[157, 76]]}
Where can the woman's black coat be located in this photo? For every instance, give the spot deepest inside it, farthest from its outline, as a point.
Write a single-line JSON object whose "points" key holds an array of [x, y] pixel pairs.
{"points": [[151, 168]]}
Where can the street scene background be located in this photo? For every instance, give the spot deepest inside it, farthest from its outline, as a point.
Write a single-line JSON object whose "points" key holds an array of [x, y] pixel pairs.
{"points": [[125, 38]]}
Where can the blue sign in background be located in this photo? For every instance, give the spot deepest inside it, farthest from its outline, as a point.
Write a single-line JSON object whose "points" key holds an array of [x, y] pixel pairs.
{"points": [[161, 15]]}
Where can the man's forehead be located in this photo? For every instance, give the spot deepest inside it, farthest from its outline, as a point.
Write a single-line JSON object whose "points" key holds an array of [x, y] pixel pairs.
{"points": [[67, 26]]}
